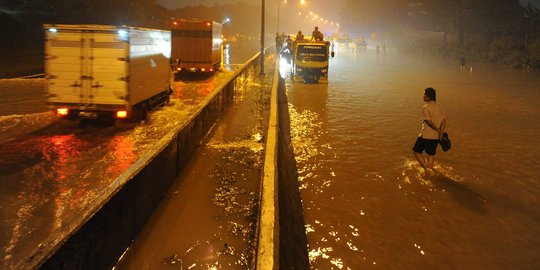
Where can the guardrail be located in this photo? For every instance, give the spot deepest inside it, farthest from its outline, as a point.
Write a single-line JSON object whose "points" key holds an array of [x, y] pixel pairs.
{"points": [[103, 230], [29, 76]]}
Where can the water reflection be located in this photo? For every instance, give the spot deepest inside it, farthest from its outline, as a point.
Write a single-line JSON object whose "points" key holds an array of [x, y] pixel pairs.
{"points": [[445, 179], [122, 148], [227, 56]]}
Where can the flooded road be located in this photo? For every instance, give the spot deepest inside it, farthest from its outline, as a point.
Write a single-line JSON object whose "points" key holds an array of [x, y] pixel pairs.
{"points": [[366, 201], [208, 220], [51, 171]]}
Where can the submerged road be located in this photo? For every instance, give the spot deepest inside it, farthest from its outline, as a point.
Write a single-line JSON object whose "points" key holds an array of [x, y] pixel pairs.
{"points": [[366, 201], [209, 218], [52, 170]]}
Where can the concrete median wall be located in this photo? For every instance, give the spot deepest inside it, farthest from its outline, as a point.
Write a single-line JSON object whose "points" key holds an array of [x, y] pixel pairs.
{"points": [[282, 241], [292, 238], [123, 209]]}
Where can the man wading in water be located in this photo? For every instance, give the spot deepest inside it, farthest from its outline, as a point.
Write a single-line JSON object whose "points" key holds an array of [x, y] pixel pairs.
{"points": [[433, 127]]}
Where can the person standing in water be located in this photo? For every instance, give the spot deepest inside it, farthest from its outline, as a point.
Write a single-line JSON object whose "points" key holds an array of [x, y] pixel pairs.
{"points": [[433, 126]]}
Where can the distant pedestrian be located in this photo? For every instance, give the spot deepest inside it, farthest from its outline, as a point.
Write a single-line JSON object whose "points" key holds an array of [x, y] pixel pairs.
{"points": [[288, 42], [462, 60], [378, 49], [384, 49], [433, 126], [317, 35], [299, 36]]}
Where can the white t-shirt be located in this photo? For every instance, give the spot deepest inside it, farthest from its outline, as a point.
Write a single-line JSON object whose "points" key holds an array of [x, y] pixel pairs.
{"points": [[431, 111]]}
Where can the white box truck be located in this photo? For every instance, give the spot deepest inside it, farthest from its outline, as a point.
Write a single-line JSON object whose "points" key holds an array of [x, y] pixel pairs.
{"points": [[102, 71], [196, 46]]}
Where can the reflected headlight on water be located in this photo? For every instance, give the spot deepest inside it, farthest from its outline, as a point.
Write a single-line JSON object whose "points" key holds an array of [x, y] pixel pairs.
{"points": [[284, 66]]}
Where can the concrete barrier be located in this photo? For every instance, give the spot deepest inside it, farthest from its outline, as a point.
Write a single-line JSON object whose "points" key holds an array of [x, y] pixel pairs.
{"points": [[267, 257], [282, 242], [103, 231]]}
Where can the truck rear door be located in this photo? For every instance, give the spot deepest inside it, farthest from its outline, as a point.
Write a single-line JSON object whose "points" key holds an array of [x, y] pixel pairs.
{"points": [[108, 70], [86, 67]]}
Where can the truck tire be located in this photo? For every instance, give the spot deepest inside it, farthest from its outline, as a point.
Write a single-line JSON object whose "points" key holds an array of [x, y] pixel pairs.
{"points": [[83, 122], [143, 112]]}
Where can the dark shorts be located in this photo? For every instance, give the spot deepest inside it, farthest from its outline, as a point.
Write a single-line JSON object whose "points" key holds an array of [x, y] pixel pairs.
{"points": [[428, 145]]}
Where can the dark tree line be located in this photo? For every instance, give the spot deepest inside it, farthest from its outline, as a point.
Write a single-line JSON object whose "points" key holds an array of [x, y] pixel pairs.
{"points": [[22, 19]]}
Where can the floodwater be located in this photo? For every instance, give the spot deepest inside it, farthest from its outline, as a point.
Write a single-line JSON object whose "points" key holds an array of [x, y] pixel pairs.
{"points": [[208, 218], [368, 204], [51, 172]]}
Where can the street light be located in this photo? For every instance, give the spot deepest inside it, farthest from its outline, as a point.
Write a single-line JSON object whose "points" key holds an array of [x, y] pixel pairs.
{"points": [[262, 39], [302, 2]]}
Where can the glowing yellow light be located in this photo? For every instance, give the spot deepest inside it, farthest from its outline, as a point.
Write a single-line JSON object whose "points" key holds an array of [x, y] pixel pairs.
{"points": [[121, 114], [62, 111]]}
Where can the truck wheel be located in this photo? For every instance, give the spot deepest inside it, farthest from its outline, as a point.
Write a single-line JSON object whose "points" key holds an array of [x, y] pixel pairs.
{"points": [[83, 122], [143, 112], [168, 97]]}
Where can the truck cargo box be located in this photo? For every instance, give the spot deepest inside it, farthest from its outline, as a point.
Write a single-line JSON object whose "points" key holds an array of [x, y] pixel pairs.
{"points": [[96, 71], [196, 45]]}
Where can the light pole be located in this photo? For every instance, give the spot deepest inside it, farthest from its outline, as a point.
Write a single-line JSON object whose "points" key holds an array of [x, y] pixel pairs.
{"points": [[262, 38], [278, 8]]}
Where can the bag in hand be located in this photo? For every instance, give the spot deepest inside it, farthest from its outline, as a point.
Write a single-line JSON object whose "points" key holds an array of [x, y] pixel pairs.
{"points": [[445, 142]]}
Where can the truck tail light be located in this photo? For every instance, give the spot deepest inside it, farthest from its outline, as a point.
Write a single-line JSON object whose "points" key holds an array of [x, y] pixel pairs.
{"points": [[62, 111], [203, 69], [121, 114], [211, 70], [179, 68]]}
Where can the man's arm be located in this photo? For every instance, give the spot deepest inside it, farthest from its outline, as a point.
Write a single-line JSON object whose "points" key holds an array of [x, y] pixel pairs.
{"points": [[442, 128], [431, 124]]}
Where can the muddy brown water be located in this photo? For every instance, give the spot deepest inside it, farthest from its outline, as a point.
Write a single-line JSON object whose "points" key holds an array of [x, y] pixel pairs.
{"points": [[367, 203], [208, 219]]}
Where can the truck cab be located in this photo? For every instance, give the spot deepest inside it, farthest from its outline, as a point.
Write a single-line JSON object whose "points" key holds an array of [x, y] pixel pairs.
{"points": [[311, 59]]}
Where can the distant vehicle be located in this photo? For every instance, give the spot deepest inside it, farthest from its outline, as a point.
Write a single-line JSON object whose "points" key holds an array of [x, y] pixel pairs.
{"points": [[196, 46], [101, 71], [230, 39], [360, 43], [311, 60], [342, 41]]}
